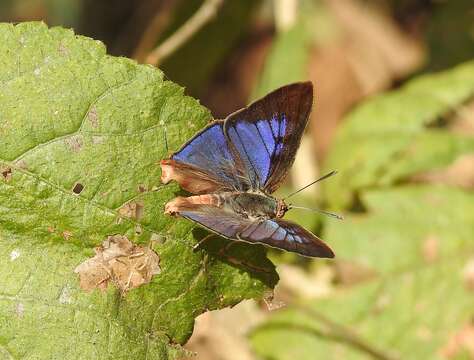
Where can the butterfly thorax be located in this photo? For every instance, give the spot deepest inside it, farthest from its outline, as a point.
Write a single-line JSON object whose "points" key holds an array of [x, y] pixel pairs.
{"points": [[254, 205]]}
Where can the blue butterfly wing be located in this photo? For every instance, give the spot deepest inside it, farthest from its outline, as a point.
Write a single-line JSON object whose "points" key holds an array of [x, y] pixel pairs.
{"points": [[276, 233], [266, 135], [209, 154]]}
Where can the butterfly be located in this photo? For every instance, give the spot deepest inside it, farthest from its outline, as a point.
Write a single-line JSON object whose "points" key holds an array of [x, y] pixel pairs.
{"points": [[233, 166]]}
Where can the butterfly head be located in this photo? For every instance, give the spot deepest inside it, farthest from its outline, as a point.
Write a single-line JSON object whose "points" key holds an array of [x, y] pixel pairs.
{"points": [[282, 208]]}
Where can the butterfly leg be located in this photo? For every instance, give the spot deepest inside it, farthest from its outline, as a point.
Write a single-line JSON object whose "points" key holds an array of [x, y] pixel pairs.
{"points": [[202, 241], [223, 252]]}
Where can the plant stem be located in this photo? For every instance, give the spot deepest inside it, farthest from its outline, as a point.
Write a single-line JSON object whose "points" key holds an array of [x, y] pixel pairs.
{"points": [[346, 335], [205, 13]]}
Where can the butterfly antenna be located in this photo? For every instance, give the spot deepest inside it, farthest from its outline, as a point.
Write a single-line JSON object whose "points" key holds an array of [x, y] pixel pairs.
{"points": [[336, 216], [334, 172]]}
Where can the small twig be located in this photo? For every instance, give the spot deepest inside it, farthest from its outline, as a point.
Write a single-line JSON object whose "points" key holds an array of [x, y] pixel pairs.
{"points": [[286, 13], [205, 13], [346, 335], [154, 29]]}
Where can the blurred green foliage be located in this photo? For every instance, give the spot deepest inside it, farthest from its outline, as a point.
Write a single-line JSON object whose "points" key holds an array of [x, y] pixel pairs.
{"points": [[416, 239], [194, 64], [389, 138], [294, 41]]}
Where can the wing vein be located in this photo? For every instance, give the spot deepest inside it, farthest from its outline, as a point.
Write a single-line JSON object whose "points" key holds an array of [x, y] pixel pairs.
{"points": [[261, 138], [246, 154]]}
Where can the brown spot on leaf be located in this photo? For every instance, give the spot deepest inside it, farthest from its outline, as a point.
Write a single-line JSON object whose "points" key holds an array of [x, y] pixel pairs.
{"points": [[121, 262], [96, 139], [430, 249], [138, 229], [132, 210], [66, 235], [74, 143], [19, 309], [460, 343], [158, 239], [6, 173], [468, 274], [142, 188], [93, 117], [63, 50], [21, 164]]}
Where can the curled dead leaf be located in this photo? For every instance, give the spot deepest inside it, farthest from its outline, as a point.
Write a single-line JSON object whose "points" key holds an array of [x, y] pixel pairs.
{"points": [[119, 261]]}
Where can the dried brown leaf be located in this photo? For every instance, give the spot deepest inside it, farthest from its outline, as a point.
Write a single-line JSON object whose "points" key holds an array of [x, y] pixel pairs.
{"points": [[118, 261]]}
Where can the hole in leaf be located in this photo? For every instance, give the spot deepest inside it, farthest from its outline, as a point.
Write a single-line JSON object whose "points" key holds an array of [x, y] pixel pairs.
{"points": [[77, 189]]}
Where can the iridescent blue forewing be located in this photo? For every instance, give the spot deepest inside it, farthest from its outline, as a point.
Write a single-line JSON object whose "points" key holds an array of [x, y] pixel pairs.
{"points": [[208, 158], [277, 233], [266, 134]]}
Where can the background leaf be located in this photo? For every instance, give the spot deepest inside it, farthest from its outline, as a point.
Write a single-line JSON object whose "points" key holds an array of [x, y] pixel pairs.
{"points": [[414, 291], [413, 240], [70, 114], [390, 137]]}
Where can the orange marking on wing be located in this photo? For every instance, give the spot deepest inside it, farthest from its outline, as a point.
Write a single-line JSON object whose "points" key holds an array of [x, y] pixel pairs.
{"points": [[189, 178], [189, 203], [167, 171]]}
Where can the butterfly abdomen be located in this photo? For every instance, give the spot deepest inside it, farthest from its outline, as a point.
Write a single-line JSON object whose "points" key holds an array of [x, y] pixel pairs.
{"points": [[180, 203], [252, 205]]}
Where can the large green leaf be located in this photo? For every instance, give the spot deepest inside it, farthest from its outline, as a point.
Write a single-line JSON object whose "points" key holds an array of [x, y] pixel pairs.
{"points": [[391, 136], [392, 236], [418, 240], [69, 115]]}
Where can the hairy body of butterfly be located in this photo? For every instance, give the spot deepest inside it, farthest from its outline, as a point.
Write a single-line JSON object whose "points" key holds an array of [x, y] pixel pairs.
{"points": [[234, 165], [257, 207]]}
